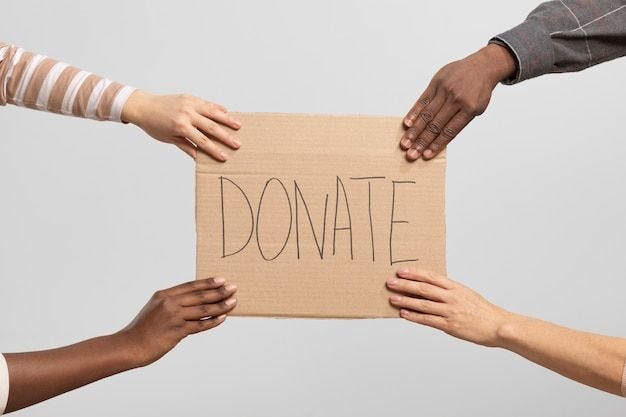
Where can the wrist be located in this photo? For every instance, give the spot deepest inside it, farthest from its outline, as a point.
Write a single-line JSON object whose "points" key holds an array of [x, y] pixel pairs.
{"points": [[128, 350], [498, 62], [508, 331], [135, 107]]}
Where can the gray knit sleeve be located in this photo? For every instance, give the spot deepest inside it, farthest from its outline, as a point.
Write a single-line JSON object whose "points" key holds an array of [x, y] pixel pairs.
{"points": [[566, 36]]}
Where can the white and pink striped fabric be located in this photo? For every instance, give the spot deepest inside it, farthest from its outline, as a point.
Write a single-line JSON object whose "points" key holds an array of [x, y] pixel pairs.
{"points": [[41, 83], [4, 384]]}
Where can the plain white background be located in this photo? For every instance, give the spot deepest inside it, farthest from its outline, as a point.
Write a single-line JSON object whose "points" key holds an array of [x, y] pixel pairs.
{"points": [[96, 216]]}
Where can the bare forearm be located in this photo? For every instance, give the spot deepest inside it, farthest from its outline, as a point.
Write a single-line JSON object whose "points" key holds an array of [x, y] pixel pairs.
{"points": [[37, 376], [591, 359]]}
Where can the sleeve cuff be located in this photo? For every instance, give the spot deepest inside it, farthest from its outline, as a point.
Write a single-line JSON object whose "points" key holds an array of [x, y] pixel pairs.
{"points": [[4, 384], [118, 104], [531, 44]]}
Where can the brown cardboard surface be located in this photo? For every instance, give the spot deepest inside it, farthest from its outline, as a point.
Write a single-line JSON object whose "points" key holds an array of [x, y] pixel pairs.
{"points": [[322, 241]]}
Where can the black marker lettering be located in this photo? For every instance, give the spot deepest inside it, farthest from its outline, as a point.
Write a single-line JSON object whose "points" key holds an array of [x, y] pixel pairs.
{"points": [[393, 221], [369, 208], [224, 254], [297, 193], [349, 227], [258, 218]]}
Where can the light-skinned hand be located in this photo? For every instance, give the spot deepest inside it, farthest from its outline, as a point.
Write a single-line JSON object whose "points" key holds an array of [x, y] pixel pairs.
{"points": [[188, 122], [434, 300]]}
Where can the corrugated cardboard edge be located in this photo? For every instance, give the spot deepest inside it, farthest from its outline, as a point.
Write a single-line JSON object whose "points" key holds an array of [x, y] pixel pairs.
{"points": [[443, 154]]}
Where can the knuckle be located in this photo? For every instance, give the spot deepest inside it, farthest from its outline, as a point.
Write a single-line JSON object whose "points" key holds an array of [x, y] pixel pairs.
{"points": [[424, 101], [426, 115], [201, 295], [449, 133], [158, 295], [434, 127], [168, 304], [421, 143], [211, 128], [411, 133], [210, 281], [186, 97], [435, 146], [454, 96], [420, 305], [179, 123], [472, 107], [447, 87]]}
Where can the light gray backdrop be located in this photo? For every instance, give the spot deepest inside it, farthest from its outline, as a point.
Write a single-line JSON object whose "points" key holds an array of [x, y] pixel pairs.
{"points": [[95, 216]]}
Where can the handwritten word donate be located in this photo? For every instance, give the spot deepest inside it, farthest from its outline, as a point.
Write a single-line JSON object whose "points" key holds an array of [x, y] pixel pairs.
{"points": [[267, 221]]}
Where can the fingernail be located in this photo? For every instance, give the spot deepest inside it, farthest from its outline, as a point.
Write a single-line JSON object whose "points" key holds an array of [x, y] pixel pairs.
{"points": [[404, 312], [219, 280], [231, 301], [412, 154], [403, 271], [428, 153], [236, 143], [408, 122], [236, 122], [222, 317], [406, 143], [223, 156], [231, 287], [392, 281], [394, 298]]}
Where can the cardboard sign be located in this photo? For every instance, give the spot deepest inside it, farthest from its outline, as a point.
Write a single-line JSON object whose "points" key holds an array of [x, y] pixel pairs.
{"points": [[313, 213]]}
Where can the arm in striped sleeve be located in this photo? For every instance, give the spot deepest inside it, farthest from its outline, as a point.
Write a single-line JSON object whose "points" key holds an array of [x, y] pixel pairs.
{"points": [[41, 83], [38, 82]]}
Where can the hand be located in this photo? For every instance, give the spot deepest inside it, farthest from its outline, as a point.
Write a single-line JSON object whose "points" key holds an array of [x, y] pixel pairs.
{"points": [[436, 301], [172, 314], [459, 92], [183, 120]]}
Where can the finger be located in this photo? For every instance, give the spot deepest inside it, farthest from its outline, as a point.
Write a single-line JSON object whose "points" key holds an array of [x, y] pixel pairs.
{"points": [[433, 128], [429, 320], [449, 132], [194, 327], [425, 117], [205, 145], [198, 285], [213, 130], [421, 102], [426, 276], [415, 288], [218, 113], [418, 305], [186, 146], [208, 310], [208, 296]]}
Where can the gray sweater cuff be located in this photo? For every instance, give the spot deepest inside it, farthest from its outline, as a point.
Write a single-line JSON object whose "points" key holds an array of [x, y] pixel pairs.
{"points": [[531, 44]]}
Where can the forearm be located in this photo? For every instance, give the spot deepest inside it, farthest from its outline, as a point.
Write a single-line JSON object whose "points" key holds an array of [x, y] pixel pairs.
{"points": [[37, 376], [591, 359], [42, 83], [565, 36]]}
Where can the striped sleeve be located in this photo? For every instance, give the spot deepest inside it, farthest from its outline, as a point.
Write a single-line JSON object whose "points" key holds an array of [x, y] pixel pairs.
{"points": [[4, 384], [41, 83]]}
